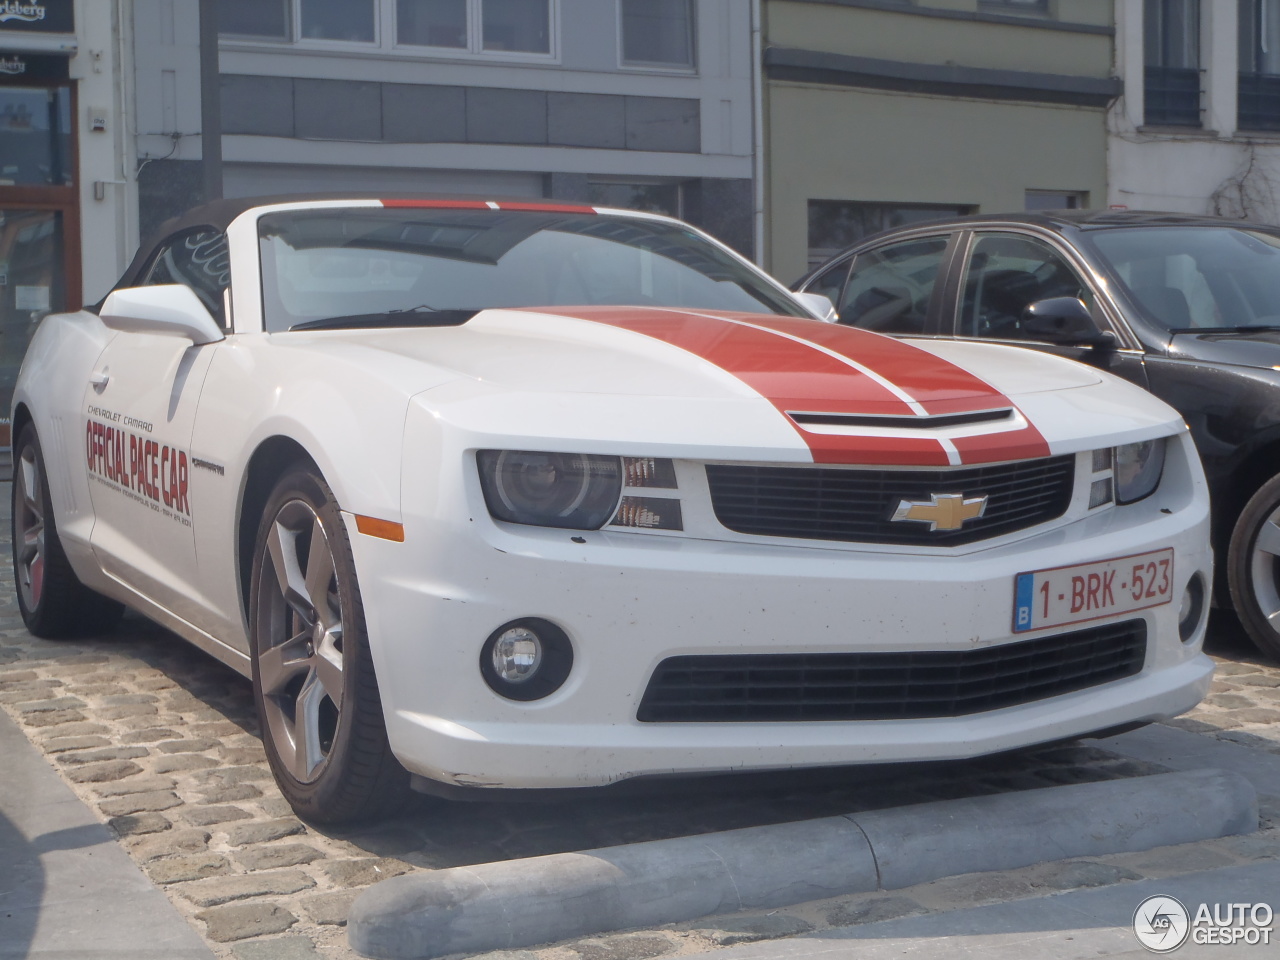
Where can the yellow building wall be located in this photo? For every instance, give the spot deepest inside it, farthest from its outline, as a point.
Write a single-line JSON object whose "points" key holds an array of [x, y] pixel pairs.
{"points": [[826, 142]]}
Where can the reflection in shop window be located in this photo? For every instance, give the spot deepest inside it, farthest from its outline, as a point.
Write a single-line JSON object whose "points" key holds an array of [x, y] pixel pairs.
{"points": [[521, 26], [338, 20], [32, 284], [657, 32], [260, 19], [836, 224], [432, 23], [35, 136]]}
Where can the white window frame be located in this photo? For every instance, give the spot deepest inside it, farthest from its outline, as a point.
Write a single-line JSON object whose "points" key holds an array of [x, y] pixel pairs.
{"points": [[386, 44], [645, 66], [475, 38]]}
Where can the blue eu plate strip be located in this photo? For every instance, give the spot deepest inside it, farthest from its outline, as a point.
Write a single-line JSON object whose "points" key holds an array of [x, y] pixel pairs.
{"points": [[1024, 596]]}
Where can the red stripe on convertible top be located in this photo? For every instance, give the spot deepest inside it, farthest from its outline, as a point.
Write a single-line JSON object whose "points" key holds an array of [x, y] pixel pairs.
{"points": [[806, 366]]}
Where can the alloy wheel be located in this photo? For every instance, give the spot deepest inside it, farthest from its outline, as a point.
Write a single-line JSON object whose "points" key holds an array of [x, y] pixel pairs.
{"points": [[1264, 569], [29, 527], [300, 641]]}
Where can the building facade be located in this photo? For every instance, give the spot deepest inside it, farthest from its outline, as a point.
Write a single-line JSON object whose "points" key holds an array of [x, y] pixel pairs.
{"points": [[67, 221], [880, 112], [631, 102], [1198, 128]]}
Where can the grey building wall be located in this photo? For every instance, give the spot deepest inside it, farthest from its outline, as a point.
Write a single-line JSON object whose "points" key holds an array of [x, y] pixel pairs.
{"points": [[312, 115]]}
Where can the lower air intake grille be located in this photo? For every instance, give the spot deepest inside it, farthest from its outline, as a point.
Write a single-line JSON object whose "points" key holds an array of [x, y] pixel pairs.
{"points": [[890, 686], [829, 503]]}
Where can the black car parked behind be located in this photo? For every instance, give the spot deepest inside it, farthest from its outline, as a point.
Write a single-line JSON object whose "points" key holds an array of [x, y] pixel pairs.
{"points": [[1188, 307]]}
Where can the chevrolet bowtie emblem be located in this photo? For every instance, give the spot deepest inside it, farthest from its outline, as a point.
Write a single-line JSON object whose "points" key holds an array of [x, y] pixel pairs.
{"points": [[946, 511]]}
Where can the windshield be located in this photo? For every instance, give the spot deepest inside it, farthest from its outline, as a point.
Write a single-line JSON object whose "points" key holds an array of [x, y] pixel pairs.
{"points": [[427, 267], [1198, 278]]}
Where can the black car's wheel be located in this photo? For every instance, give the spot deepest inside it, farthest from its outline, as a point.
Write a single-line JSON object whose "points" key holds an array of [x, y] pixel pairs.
{"points": [[1253, 568], [313, 677], [53, 601]]}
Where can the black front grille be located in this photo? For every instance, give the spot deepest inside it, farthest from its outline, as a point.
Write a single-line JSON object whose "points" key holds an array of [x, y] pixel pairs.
{"points": [[889, 686], [825, 503]]}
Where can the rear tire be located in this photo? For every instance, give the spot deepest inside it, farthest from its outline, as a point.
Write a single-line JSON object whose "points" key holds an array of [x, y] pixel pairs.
{"points": [[54, 603], [313, 679], [1253, 568]]}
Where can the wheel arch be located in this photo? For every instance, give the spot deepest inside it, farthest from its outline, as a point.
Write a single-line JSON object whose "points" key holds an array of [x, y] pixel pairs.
{"points": [[269, 461], [21, 417]]}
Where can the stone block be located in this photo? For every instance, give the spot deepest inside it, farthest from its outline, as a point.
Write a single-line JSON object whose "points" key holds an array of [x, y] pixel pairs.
{"points": [[139, 823], [139, 802], [181, 869], [263, 831], [218, 890], [274, 856], [240, 921], [206, 816], [102, 772]]}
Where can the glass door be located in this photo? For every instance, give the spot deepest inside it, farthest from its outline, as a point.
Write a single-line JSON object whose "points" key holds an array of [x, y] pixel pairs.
{"points": [[39, 220], [32, 284]]}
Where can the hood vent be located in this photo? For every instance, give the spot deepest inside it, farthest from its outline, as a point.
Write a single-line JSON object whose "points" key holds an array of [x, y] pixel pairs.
{"points": [[909, 423]]}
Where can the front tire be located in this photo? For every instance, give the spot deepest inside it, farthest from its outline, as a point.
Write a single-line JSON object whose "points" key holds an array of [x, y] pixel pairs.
{"points": [[54, 603], [1253, 568], [313, 679]]}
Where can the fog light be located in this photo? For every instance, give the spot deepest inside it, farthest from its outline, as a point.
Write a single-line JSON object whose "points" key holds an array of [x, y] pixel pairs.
{"points": [[526, 659], [517, 654], [1191, 608]]}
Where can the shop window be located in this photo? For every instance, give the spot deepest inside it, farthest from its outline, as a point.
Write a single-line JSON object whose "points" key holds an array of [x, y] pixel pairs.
{"points": [[1014, 6], [836, 224], [35, 136], [1259, 92], [1055, 200], [1171, 44], [661, 198], [657, 32]]}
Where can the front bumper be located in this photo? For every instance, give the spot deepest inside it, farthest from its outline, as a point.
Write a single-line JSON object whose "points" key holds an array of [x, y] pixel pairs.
{"points": [[629, 601]]}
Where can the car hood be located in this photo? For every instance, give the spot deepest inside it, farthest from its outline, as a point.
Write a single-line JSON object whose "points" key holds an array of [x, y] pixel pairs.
{"points": [[1260, 348], [850, 395]]}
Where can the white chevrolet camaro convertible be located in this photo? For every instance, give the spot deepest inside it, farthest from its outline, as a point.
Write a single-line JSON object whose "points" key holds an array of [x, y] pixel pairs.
{"points": [[522, 495]]}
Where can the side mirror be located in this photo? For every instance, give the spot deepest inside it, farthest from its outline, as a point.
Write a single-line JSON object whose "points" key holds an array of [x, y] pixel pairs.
{"points": [[171, 309], [1065, 321], [819, 304]]}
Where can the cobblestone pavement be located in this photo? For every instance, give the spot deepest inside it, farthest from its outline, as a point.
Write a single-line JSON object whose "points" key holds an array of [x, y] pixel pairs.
{"points": [[161, 741]]}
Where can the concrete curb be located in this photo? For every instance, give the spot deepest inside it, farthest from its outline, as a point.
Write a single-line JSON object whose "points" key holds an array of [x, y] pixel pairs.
{"points": [[520, 903]]}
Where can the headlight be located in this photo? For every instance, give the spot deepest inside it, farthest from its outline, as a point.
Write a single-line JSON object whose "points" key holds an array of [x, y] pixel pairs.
{"points": [[1137, 469], [573, 490]]}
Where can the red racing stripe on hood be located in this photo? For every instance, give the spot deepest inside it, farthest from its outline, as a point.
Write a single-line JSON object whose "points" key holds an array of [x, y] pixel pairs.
{"points": [[811, 367]]}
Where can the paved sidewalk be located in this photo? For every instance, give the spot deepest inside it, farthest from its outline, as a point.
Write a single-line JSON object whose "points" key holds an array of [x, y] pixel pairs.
{"points": [[68, 890], [1069, 926]]}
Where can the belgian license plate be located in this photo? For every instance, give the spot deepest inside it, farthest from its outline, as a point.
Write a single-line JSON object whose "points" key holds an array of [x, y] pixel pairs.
{"points": [[1053, 598]]}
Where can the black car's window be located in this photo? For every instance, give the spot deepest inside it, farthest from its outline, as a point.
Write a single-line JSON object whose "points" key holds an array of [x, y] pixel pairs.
{"points": [[1194, 277], [889, 287], [830, 282], [199, 260], [431, 267], [1007, 273]]}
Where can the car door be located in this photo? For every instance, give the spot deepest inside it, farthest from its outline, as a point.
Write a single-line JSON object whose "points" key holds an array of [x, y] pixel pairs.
{"points": [[892, 288], [140, 406], [1002, 272]]}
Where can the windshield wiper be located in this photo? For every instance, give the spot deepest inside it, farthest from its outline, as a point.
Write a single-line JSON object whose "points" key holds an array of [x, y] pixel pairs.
{"points": [[415, 317]]}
